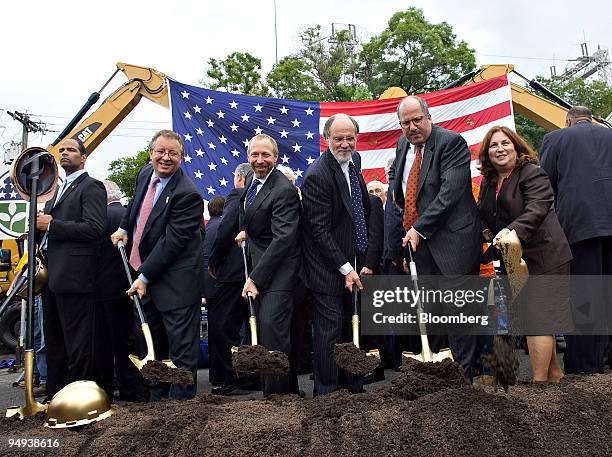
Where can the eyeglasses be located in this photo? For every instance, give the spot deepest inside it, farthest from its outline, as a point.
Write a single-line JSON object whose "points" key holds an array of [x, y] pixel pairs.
{"points": [[342, 139], [162, 152], [416, 121]]}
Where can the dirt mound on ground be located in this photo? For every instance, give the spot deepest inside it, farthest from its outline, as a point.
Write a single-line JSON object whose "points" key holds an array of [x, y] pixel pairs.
{"points": [[450, 419], [420, 379]]}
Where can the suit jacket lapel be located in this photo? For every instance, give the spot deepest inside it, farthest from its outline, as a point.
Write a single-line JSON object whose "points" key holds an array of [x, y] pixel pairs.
{"points": [[263, 193], [72, 186], [428, 152], [399, 172]]}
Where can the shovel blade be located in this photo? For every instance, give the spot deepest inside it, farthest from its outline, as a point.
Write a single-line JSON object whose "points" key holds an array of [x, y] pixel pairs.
{"points": [[169, 363], [430, 356], [373, 353]]}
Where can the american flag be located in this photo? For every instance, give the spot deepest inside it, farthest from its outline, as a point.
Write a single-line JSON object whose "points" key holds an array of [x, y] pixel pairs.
{"points": [[217, 126], [7, 190]]}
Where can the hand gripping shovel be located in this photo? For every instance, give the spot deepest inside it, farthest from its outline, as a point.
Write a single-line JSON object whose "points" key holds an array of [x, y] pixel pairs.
{"points": [[256, 358], [426, 354], [144, 326]]}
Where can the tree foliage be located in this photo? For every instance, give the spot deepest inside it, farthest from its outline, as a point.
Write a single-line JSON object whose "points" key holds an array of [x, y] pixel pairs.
{"points": [[331, 62], [596, 95], [414, 54], [123, 171], [291, 79], [411, 53], [239, 72]]}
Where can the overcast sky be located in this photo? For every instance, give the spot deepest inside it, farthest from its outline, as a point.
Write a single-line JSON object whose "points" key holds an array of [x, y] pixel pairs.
{"points": [[55, 53]]}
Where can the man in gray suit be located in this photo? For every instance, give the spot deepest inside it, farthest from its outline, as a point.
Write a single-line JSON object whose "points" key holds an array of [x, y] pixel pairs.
{"points": [[430, 181], [578, 160]]}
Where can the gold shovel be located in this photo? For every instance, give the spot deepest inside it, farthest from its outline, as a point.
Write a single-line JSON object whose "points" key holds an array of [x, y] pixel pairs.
{"points": [[252, 317], [355, 326], [32, 407], [275, 359], [144, 326], [426, 354]]}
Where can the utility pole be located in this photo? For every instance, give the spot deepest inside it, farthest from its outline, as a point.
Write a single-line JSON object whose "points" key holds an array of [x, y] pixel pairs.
{"points": [[28, 126], [275, 34]]}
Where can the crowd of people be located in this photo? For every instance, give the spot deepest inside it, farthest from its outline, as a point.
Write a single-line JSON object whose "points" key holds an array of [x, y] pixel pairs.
{"points": [[299, 252]]}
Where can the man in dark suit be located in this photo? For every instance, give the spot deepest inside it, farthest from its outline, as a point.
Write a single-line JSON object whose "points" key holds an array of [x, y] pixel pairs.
{"points": [[373, 257], [215, 212], [162, 225], [74, 221], [269, 221], [431, 183], [578, 160], [227, 310], [336, 209], [372, 263], [115, 322]]}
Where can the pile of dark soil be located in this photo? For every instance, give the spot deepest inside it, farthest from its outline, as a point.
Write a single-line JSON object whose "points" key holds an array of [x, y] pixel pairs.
{"points": [[257, 359], [408, 417], [154, 370], [354, 360], [419, 379]]}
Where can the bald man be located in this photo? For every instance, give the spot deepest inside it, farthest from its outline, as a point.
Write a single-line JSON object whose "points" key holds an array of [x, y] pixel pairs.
{"points": [[377, 188]]}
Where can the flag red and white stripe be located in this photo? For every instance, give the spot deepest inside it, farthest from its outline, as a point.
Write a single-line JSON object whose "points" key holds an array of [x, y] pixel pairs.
{"points": [[468, 110]]}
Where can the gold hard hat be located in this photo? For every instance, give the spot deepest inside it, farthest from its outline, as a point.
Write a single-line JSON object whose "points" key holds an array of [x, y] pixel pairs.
{"points": [[78, 403], [47, 178]]}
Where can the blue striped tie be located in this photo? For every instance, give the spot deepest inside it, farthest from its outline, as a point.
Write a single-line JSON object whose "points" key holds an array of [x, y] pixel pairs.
{"points": [[252, 192], [361, 231]]}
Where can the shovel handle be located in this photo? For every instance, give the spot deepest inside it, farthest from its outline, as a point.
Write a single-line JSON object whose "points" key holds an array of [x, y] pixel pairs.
{"points": [[419, 305], [246, 277], [126, 266]]}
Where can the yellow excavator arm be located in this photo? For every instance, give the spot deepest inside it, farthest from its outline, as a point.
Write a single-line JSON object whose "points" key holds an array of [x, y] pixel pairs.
{"points": [[548, 111], [142, 82]]}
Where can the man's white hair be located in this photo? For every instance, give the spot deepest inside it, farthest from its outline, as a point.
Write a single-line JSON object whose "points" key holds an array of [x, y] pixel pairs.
{"points": [[113, 193], [288, 172]]}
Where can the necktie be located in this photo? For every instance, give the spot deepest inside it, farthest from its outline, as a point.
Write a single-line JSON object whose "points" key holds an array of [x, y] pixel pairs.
{"points": [[361, 231], [412, 184], [145, 212], [252, 192]]}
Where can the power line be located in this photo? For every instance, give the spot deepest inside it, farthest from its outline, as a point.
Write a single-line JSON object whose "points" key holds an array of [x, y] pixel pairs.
{"points": [[52, 116], [525, 58]]}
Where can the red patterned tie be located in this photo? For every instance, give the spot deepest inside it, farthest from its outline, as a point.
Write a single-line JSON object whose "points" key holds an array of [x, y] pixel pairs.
{"points": [[145, 211], [412, 184]]}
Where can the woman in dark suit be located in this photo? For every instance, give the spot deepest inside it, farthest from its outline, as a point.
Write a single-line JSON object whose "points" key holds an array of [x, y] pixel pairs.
{"points": [[516, 194]]}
